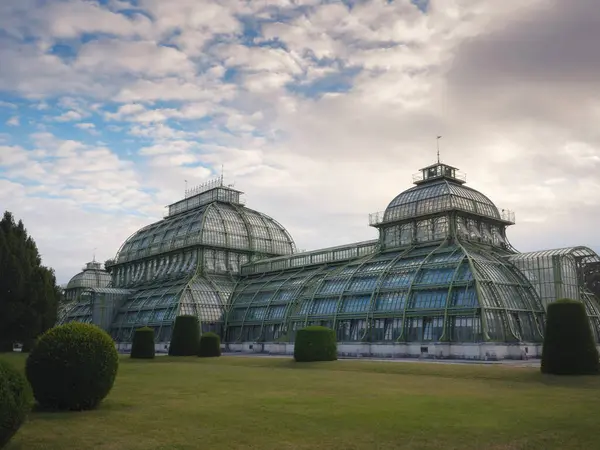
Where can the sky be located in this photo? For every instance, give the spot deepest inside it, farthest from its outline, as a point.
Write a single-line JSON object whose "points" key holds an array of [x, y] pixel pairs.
{"points": [[320, 111]]}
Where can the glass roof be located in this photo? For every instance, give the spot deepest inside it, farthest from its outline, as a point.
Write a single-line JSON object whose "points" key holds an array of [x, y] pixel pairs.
{"points": [[216, 224], [93, 276], [437, 196], [585, 253]]}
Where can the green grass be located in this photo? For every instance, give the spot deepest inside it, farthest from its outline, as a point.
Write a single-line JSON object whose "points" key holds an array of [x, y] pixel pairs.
{"points": [[268, 403]]}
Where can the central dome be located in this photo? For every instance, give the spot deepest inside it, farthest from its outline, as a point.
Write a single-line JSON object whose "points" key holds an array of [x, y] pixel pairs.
{"points": [[437, 196]]}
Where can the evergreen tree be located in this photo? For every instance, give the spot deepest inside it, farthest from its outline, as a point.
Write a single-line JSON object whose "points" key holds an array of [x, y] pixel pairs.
{"points": [[28, 292]]}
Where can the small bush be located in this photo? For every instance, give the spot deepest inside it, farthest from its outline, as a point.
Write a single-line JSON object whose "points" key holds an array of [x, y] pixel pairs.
{"points": [[569, 347], [315, 344], [72, 366], [143, 343], [185, 337], [15, 401], [210, 345]]}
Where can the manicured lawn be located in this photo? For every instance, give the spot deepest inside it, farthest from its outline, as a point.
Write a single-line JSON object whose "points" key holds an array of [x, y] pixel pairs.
{"points": [[264, 403]]}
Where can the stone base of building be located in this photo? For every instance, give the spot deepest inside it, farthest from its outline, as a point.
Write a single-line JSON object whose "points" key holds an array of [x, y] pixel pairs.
{"points": [[467, 351], [484, 351]]}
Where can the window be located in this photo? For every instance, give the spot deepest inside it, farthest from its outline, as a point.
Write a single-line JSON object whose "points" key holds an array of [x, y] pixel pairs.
{"points": [[390, 301], [432, 328], [355, 304], [424, 230], [435, 299]]}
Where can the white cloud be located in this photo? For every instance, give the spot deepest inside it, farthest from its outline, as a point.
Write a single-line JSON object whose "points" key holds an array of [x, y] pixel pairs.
{"points": [[69, 116], [203, 88], [146, 58], [67, 19], [169, 147], [85, 126], [12, 155], [13, 121], [321, 124]]}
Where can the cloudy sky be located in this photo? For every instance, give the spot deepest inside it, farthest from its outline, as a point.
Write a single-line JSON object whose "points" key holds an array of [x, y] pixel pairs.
{"points": [[319, 110]]}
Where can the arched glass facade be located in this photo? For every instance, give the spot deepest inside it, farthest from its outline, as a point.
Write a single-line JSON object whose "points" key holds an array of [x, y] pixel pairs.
{"points": [[560, 273], [442, 271], [188, 263], [448, 292]]}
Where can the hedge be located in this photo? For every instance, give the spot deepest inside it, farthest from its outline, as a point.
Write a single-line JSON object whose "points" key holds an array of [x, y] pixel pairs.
{"points": [[315, 343], [15, 401], [142, 346], [185, 338], [210, 345], [72, 367], [569, 347]]}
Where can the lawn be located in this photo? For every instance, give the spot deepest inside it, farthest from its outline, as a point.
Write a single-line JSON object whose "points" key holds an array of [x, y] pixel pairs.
{"points": [[273, 403]]}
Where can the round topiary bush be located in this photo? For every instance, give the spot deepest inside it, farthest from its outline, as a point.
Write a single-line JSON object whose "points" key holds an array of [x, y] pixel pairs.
{"points": [[210, 345], [143, 343], [569, 347], [185, 337], [15, 401], [315, 344], [72, 366]]}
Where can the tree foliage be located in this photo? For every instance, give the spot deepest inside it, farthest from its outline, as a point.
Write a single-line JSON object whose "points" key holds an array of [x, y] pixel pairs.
{"points": [[29, 295], [315, 343], [569, 347], [143, 343]]}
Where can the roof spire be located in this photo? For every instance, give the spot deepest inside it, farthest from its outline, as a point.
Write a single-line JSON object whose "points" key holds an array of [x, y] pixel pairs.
{"points": [[438, 148]]}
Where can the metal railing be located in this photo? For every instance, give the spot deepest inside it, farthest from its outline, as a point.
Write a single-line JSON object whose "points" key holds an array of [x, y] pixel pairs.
{"points": [[378, 218], [507, 215], [320, 256], [461, 176]]}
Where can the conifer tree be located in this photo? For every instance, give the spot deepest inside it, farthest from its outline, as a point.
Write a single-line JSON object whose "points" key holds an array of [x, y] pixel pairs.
{"points": [[28, 292]]}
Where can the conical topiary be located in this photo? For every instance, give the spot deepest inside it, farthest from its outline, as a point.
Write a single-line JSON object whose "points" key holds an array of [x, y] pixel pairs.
{"points": [[569, 346], [143, 343], [185, 337]]}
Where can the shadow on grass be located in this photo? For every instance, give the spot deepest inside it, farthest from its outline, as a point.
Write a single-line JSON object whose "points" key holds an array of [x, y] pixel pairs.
{"points": [[106, 406]]}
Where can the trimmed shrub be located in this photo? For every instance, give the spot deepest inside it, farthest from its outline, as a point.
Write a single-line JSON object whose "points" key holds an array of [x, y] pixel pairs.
{"points": [[72, 367], [315, 343], [15, 401], [210, 345], [185, 337], [143, 343], [569, 347]]}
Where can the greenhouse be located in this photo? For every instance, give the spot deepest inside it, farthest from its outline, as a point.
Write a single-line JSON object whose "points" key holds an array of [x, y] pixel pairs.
{"points": [[187, 263], [441, 280], [77, 304]]}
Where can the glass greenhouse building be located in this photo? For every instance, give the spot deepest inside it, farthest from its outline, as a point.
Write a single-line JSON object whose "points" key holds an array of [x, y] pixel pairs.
{"points": [[442, 279]]}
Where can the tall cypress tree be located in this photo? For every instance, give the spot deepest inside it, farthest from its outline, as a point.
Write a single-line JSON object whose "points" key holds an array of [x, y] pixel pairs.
{"points": [[28, 292]]}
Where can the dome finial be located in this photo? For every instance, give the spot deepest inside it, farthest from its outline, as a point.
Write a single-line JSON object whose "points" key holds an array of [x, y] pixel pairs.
{"points": [[438, 148]]}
